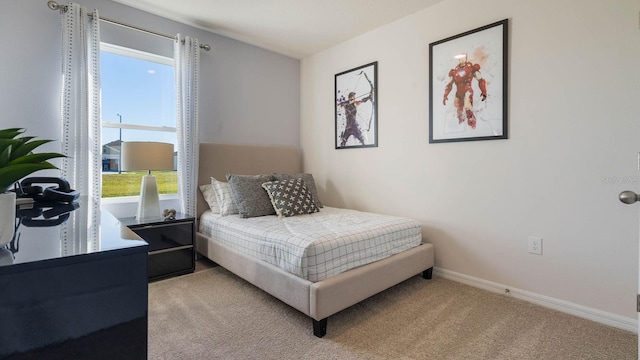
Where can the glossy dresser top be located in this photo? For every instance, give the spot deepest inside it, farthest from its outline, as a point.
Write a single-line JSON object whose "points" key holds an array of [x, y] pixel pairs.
{"points": [[45, 232]]}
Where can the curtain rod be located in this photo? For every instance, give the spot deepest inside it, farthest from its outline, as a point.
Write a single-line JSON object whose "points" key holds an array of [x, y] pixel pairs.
{"points": [[55, 6]]}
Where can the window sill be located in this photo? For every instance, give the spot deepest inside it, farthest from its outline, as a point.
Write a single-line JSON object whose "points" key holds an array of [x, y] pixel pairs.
{"points": [[126, 206], [133, 199]]}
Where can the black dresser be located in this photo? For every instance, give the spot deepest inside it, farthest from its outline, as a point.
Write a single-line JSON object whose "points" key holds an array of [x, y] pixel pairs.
{"points": [[73, 285]]}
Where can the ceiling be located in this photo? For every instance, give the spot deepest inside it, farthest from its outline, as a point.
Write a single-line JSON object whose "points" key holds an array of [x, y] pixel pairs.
{"points": [[296, 28]]}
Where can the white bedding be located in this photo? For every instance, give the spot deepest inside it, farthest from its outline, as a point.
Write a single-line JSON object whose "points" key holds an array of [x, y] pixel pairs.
{"points": [[315, 246]]}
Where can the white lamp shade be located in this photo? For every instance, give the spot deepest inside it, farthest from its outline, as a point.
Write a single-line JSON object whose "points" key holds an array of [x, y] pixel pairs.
{"points": [[146, 155]]}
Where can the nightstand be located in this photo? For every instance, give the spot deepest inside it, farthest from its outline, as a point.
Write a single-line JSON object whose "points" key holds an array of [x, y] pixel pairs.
{"points": [[171, 244]]}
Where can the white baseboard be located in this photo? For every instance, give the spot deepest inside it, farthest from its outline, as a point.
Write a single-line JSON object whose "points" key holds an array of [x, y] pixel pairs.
{"points": [[602, 317]]}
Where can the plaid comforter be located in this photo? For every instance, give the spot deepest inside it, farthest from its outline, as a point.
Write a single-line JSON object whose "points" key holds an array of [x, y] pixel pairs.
{"points": [[315, 246]]}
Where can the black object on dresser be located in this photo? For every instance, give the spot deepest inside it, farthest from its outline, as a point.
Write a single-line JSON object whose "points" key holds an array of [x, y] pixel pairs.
{"points": [[73, 286], [171, 244]]}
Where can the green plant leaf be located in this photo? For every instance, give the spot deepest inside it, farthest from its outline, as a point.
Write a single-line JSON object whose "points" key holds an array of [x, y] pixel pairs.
{"points": [[34, 158], [24, 147], [17, 159], [10, 133], [11, 174], [5, 149]]}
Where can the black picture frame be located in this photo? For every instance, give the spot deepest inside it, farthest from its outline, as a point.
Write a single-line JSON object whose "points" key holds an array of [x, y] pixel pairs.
{"points": [[361, 130], [455, 113]]}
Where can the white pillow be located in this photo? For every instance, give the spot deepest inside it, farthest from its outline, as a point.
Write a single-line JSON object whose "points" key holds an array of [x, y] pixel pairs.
{"points": [[210, 197], [224, 196]]}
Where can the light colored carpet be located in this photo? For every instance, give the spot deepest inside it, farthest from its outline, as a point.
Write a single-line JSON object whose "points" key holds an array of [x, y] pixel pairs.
{"points": [[213, 314]]}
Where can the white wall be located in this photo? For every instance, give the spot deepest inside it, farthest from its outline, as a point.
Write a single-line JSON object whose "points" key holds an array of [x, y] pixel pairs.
{"points": [[247, 94], [574, 124]]}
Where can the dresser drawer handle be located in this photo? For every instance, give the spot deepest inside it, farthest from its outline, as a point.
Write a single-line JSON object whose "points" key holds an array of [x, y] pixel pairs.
{"points": [[170, 249], [159, 226]]}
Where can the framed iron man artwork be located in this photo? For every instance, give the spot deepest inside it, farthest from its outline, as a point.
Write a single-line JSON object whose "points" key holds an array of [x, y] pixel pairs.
{"points": [[468, 85], [357, 107]]}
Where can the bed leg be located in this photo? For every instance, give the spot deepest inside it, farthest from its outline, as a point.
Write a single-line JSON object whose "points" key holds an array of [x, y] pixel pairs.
{"points": [[320, 327], [427, 274]]}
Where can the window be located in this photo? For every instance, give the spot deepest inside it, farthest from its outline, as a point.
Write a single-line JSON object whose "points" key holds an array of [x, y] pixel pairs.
{"points": [[138, 104]]}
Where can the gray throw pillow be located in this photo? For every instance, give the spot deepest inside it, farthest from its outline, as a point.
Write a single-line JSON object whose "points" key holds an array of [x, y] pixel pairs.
{"points": [[250, 198], [308, 180], [290, 197]]}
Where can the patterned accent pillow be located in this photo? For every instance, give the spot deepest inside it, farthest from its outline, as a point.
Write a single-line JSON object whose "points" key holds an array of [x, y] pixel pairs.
{"points": [[210, 197], [308, 180], [224, 197], [290, 197], [250, 197]]}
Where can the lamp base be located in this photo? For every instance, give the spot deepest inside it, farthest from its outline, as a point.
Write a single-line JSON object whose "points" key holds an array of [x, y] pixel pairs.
{"points": [[149, 206]]}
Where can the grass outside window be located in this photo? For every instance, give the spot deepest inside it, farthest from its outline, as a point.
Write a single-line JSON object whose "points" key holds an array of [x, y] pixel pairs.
{"points": [[128, 183]]}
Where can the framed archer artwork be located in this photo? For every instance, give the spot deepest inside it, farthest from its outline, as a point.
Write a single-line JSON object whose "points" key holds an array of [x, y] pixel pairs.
{"points": [[468, 85], [357, 107]]}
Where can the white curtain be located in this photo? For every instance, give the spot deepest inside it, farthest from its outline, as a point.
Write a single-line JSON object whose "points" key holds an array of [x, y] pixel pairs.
{"points": [[187, 58], [80, 102]]}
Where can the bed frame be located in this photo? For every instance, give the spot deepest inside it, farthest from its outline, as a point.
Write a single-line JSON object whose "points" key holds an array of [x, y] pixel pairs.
{"points": [[318, 300]]}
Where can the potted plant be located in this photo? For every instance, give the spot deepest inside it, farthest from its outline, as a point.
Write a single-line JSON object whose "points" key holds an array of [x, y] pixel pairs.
{"points": [[17, 160]]}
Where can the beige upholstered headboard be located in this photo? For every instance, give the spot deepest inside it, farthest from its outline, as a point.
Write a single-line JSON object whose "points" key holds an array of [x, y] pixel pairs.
{"points": [[217, 160]]}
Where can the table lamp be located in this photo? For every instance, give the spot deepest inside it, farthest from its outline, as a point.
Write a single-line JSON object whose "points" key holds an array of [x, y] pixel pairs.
{"points": [[139, 155]]}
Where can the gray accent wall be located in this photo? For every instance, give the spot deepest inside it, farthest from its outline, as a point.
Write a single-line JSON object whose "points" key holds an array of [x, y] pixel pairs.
{"points": [[247, 94]]}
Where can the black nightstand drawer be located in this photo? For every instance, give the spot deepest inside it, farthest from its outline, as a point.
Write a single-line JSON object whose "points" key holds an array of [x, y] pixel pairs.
{"points": [[171, 244], [171, 263], [166, 236]]}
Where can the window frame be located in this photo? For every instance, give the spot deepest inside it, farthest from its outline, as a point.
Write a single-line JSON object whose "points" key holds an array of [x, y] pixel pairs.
{"points": [[146, 56]]}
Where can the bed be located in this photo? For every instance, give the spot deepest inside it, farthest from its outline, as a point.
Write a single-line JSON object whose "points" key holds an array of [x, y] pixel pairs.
{"points": [[318, 297]]}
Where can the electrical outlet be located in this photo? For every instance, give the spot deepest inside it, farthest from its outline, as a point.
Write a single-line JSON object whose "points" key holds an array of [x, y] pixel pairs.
{"points": [[535, 245]]}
